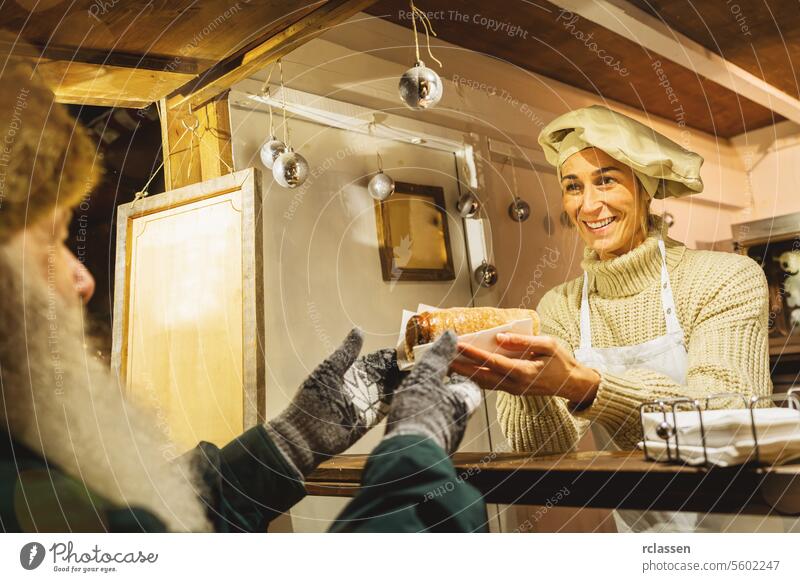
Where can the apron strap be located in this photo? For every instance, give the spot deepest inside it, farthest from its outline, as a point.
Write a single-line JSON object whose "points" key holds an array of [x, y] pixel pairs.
{"points": [[667, 299], [586, 326], [667, 303]]}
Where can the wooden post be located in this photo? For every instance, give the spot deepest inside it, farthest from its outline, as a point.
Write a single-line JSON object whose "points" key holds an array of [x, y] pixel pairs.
{"points": [[196, 144]]}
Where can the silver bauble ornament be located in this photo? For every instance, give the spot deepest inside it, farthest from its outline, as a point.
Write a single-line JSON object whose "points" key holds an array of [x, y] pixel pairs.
{"points": [[468, 205], [486, 275], [519, 210], [420, 87], [290, 169], [270, 151], [381, 186]]}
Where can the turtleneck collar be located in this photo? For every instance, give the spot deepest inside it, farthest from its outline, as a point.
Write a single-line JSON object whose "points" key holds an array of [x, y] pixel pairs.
{"points": [[632, 272]]}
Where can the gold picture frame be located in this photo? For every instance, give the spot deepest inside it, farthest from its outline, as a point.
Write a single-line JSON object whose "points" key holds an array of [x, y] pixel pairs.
{"points": [[188, 328], [413, 236]]}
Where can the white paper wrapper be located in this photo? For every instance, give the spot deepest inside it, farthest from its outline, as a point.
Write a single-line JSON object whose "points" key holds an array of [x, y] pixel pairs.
{"points": [[484, 339]]}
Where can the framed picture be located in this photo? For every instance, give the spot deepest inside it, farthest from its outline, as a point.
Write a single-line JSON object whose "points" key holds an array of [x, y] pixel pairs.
{"points": [[413, 238], [188, 329]]}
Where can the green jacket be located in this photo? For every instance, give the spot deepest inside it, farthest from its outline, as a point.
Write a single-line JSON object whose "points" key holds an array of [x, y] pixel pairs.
{"points": [[409, 484]]}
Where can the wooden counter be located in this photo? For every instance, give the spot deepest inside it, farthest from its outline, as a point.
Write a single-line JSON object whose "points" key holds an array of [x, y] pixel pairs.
{"points": [[598, 479]]}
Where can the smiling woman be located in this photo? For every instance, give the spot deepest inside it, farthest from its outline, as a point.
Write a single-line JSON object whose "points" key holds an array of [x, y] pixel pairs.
{"points": [[648, 319], [606, 201]]}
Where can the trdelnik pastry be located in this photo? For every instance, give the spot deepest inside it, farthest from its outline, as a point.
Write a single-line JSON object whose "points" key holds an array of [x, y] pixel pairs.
{"points": [[425, 327]]}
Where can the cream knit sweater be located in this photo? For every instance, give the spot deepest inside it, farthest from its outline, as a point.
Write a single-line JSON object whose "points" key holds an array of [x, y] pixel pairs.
{"points": [[722, 305]]}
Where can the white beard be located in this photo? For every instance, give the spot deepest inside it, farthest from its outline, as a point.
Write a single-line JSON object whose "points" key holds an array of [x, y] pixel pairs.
{"points": [[66, 405]]}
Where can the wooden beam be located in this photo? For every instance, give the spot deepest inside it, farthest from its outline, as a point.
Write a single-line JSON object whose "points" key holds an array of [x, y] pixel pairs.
{"points": [[225, 74], [630, 22], [192, 156], [108, 58]]}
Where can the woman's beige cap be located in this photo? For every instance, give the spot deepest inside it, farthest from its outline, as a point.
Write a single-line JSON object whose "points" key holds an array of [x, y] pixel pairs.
{"points": [[663, 167]]}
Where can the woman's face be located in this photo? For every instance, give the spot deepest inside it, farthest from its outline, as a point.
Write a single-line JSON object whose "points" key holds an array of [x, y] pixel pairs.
{"points": [[601, 198]]}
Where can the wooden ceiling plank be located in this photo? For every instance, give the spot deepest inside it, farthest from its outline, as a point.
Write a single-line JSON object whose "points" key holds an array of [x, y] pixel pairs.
{"points": [[760, 36], [115, 101], [223, 76], [87, 84], [559, 49], [631, 22], [91, 56]]}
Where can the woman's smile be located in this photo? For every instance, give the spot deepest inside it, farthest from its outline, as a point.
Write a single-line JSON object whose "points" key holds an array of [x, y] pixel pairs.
{"points": [[600, 226]]}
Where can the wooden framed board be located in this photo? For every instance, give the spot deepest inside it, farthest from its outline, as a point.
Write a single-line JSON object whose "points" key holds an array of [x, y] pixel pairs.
{"points": [[188, 329]]}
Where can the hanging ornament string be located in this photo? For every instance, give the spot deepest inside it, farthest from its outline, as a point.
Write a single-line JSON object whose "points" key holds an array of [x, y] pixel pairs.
{"points": [[371, 133], [485, 260], [514, 178], [283, 99], [428, 26], [506, 160], [143, 192], [192, 132], [466, 172], [266, 93], [217, 135], [215, 132], [518, 210]]}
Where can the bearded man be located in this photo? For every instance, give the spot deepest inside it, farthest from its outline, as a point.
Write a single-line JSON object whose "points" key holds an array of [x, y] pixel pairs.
{"points": [[76, 456]]}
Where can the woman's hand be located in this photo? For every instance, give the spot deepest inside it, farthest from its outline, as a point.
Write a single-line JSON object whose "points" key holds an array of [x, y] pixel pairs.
{"points": [[540, 366]]}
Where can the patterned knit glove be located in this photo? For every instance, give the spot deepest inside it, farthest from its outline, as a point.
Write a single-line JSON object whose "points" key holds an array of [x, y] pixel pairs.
{"points": [[429, 404], [337, 404]]}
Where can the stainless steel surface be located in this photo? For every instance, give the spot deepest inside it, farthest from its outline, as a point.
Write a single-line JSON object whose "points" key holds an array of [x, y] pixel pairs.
{"points": [[773, 228]]}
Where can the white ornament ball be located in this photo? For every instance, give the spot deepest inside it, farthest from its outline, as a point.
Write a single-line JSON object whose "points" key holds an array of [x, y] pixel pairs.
{"points": [[270, 151], [290, 169], [381, 186], [420, 87]]}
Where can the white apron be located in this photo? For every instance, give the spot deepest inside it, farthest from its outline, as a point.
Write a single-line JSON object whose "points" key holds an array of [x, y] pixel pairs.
{"points": [[666, 355]]}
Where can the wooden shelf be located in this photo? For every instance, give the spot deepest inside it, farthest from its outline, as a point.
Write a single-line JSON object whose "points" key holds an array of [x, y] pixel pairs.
{"points": [[600, 479]]}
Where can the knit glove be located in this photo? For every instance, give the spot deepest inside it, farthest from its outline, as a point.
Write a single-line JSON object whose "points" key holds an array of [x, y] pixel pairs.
{"points": [[336, 405]]}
